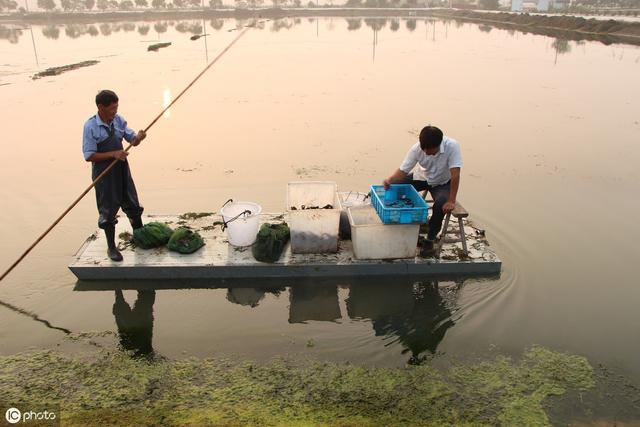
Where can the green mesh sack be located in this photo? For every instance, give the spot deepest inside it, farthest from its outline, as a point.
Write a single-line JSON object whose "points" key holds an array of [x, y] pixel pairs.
{"points": [[152, 235], [185, 241], [270, 242]]}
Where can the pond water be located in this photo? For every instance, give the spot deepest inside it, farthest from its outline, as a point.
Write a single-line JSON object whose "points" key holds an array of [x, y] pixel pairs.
{"points": [[549, 131]]}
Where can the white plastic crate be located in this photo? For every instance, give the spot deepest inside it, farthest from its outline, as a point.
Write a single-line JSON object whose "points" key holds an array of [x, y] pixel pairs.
{"points": [[313, 230], [374, 240], [350, 198]]}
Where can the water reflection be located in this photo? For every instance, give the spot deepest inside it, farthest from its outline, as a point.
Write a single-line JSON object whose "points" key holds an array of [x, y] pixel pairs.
{"points": [[354, 24], [166, 101], [311, 301], [11, 34], [74, 30], [143, 30], [189, 27], [561, 46], [135, 325], [51, 32], [250, 297], [412, 313]]}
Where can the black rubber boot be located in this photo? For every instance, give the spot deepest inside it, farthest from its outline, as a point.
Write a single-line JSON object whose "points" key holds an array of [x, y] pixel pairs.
{"points": [[112, 250], [136, 222], [428, 249]]}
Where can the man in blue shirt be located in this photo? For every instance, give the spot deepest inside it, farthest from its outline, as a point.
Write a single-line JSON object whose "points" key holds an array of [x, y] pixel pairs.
{"points": [[101, 144]]}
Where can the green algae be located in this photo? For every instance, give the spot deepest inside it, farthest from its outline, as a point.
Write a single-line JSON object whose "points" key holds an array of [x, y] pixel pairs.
{"points": [[112, 388], [194, 215]]}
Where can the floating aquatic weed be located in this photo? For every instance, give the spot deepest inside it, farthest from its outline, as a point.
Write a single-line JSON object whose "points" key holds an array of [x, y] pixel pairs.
{"points": [[156, 46], [54, 71], [194, 215], [112, 388]]}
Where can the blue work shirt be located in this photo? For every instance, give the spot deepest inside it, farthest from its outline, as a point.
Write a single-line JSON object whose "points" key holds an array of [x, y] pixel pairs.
{"points": [[96, 131]]}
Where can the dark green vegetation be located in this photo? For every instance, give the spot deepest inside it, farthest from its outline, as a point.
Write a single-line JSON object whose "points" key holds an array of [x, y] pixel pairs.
{"points": [[270, 242], [54, 71], [152, 235], [195, 215], [155, 47], [112, 388], [185, 241]]}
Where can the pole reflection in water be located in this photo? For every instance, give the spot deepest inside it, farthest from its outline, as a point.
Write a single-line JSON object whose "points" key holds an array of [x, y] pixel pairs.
{"points": [[135, 325]]}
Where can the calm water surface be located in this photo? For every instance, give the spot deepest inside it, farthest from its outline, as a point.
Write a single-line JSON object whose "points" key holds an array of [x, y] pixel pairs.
{"points": [[549, 129]]}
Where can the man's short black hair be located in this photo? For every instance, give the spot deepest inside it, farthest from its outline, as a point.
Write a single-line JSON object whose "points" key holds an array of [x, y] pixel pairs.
{"points": [[430, 137], [106, 97]]}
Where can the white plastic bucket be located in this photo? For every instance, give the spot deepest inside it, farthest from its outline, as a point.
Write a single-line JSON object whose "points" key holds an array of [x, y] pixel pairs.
{"points": [[243, 230]]}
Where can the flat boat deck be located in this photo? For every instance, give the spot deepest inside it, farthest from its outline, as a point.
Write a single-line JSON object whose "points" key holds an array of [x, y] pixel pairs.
{"points": [[219, 260]]}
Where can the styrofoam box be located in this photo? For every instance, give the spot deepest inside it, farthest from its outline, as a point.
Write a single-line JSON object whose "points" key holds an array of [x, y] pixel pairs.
{"points": [[313, 230], [374, 240]]}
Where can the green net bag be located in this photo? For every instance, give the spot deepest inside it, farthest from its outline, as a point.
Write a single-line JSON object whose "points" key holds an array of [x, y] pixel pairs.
{"points": [[185, 241], [152, 235], [270, 242]]}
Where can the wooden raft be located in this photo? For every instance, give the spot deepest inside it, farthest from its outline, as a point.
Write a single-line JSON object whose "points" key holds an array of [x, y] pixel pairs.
{"points": [[217, 259]]}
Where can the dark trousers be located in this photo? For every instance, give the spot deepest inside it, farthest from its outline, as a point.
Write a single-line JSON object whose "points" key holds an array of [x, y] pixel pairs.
{"points": [[116, 190], [440, 195]]}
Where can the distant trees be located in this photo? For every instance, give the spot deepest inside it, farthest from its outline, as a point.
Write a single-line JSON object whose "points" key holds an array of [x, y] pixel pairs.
{"points": [[8, 5], [88, 4], [490, 4], [142, 3], [46, 4], [72, 5], [215, 4], [158, 4], [376, 3]]}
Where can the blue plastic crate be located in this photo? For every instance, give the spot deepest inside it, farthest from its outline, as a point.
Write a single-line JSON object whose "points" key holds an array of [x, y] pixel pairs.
{"points": [[381, 199]]}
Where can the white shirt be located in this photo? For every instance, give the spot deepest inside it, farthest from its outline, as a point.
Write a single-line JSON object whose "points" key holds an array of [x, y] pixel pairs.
{"points": [[437, 167]]}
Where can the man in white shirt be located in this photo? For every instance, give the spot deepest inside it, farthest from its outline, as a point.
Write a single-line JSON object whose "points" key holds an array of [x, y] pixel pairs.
{"points": [[441, 160]]}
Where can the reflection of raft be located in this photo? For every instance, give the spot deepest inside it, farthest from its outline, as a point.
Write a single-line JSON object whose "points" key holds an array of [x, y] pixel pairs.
{"points": [[218, 259]]}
